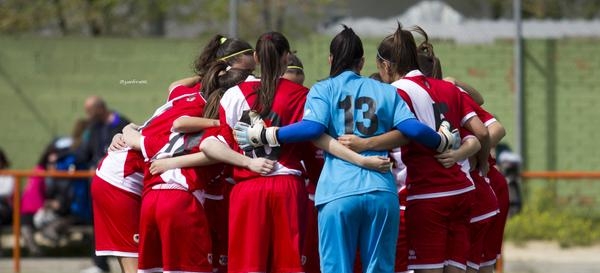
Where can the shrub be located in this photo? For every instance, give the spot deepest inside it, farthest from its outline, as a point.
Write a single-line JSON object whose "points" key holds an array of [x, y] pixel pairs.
{"points": [[542, 219]]}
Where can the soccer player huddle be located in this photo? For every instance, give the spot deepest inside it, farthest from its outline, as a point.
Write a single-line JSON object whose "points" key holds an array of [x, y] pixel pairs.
{"points": [[239, 173]]}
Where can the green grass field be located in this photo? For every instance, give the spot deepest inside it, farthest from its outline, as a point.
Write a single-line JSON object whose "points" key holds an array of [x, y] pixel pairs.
{"points": [[56, 74]]}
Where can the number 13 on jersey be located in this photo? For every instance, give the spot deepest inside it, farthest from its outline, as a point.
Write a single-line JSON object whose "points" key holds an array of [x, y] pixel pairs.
{"points": [[367, 120]]}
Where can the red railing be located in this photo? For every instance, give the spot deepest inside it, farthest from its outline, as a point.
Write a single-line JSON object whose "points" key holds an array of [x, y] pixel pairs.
{"points": [[20, 174]]}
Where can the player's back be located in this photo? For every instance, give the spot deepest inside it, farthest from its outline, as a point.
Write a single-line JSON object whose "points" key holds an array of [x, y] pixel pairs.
{"points": [[432, 101], [287, 108], [359, 105], [351, 104]]}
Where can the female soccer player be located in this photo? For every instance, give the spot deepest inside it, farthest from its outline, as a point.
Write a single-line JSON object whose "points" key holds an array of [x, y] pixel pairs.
{"points": [[487, 227], [357, 207], [216, 81], [438, 198]]}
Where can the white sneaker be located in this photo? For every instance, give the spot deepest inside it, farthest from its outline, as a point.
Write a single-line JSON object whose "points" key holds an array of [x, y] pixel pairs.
{"points": [[93, 269]]}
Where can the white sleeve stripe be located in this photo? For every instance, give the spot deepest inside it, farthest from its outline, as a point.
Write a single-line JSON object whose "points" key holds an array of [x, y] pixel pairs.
{"points": [[143, 148], [489, 122], [466, 118]]}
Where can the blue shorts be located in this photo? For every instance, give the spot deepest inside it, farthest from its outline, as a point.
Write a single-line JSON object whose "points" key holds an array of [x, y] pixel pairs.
{"points": [[368, 222]]}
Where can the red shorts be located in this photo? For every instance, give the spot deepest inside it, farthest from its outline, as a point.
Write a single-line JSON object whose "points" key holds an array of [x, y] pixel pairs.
{"points": [[266, 220], [438, 231], [217, 214], [174, 233], [495, 236], [485, 204], [477, 238], [116, 219], [310, 249], [401, 264]]}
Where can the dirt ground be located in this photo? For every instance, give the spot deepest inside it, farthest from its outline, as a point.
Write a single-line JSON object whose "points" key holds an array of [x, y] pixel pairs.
{"points": [[548, 257], [534, 257]]}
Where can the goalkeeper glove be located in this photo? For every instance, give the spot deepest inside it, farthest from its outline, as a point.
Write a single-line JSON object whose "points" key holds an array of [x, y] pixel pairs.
{"points": [[255, 134], [448, 138]]}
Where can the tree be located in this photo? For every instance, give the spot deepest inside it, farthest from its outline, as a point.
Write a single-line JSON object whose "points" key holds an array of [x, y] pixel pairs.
{"points": [[149, 17]]}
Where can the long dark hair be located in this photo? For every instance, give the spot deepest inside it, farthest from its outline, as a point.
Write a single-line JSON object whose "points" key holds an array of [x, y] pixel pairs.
{"points": [[271, 49], [346, 51], [220, 48], [217, 80], [400, 50], [429, 64]]}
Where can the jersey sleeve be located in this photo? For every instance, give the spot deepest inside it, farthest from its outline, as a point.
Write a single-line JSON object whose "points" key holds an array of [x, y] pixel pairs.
{"points": [[401, 110], [466, 109], [317, 106], [484, 115]]}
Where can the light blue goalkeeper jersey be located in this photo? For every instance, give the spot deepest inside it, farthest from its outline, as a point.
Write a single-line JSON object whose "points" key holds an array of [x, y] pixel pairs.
{"points": [[352, 104]]}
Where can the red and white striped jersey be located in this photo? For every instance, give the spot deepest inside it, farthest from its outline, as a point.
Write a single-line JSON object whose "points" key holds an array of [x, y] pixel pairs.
{"points": [[123, 169], [288, 108], [432, 101]]}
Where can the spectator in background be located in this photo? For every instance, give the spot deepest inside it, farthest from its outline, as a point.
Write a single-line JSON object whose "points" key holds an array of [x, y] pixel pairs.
{"points": [[52, 205], [34, 196], [104, 124], [7, 185], [68, 198]]}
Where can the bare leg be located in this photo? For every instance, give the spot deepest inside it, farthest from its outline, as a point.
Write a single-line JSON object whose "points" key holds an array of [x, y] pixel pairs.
{"points": [[128, 265], [453, 269], [471, 270], [486, 269]]}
